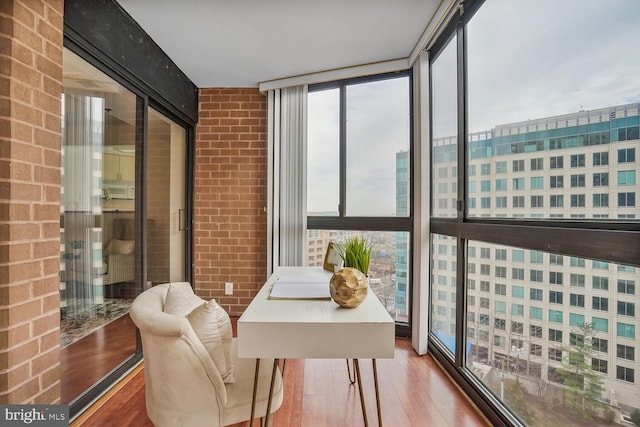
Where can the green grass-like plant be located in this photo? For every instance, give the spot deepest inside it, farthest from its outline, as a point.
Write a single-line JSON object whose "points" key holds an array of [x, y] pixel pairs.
{"points": [[356, 252]]}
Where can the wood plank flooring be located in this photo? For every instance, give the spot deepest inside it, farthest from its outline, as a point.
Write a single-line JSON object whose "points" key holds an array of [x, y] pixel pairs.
{"points": [[414, 392], [87, 360]]}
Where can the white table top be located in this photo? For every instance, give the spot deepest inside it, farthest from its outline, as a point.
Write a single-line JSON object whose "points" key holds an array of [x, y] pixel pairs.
{"points": [[313, 329]]}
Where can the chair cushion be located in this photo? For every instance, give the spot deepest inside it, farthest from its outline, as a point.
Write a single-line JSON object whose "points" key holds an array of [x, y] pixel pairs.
{"points": [[212, 325], [117, 246], [181, 300], [209, 321]]}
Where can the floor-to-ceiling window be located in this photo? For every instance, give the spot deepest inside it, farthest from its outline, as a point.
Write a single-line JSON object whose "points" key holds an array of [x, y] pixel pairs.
{"points": [[534, 225], [359, 178], [444, 193]]}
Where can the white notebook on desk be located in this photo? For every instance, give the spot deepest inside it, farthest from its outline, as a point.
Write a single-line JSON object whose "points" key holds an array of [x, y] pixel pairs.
{"points": [[292, 287]]}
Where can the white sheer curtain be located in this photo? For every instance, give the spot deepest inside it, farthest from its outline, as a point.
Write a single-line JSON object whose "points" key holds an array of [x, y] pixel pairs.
{"points": [[81, 234], [287, 177]]}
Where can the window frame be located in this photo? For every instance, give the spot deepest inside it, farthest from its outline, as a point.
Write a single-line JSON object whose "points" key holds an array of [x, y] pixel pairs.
{"points": [[625, 352], [583, 238], [624, 373], [599, 365], [371, 223], [600, 344]]}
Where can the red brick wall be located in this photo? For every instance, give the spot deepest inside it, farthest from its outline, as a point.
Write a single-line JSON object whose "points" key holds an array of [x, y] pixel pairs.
{"points": [[30, 89], [231, 195]]}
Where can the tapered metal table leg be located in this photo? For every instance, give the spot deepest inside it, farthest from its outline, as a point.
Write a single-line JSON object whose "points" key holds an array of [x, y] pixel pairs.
{"points": [[273, 380], [375, 381], [255, 392], [356, 365]]}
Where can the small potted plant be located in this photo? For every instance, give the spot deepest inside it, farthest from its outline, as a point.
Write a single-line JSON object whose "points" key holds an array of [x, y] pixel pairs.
{"points": [[356, 252], [348, 286]]}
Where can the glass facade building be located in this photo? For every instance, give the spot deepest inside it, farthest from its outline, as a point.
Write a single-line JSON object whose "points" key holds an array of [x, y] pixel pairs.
{"points": [[402, 239], [526, 309]]}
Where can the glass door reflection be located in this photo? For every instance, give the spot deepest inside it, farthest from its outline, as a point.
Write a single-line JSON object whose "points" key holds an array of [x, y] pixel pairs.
{"points": [[99, 267]]}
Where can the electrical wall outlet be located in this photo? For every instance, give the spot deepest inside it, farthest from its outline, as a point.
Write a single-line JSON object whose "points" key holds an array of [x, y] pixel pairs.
{"points": [[228, 288]]}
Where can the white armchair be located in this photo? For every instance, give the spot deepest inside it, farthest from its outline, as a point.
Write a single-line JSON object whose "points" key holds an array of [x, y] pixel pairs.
{"points": [[119, 258], [183, 385]]}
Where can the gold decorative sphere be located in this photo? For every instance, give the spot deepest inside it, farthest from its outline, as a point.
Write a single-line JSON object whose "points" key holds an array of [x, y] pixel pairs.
{"points": [[348, 287]]}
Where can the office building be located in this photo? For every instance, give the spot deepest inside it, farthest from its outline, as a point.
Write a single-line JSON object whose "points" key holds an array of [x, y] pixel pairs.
{"points": [[525, 307]]}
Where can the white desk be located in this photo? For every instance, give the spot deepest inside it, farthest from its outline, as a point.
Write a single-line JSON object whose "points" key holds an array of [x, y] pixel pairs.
{"points": [[315, 329]]}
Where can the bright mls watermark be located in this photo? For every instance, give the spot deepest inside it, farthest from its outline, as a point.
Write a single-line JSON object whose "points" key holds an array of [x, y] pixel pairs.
{"points": [[34, 415]]}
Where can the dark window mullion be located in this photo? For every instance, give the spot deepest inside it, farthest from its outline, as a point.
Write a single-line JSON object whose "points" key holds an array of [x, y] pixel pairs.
{"points": [[360, 223], [462, 131], [141, 148], [616, 246], [342, 208], [461, 292]]}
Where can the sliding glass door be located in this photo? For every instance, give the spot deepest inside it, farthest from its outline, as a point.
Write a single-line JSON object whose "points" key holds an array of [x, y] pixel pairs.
{"points": [[123, 222], [99, 251], [166, 209]]}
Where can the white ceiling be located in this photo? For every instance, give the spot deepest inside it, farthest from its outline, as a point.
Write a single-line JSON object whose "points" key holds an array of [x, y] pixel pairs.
{"points": [[241, 43]]}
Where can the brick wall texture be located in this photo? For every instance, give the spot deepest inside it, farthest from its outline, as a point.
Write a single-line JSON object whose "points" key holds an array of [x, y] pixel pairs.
{"points": [[30, 88], [231, 195]]}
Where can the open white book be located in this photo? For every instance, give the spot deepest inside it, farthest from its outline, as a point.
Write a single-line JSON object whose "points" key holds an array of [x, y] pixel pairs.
{"points": [[293, 287]]}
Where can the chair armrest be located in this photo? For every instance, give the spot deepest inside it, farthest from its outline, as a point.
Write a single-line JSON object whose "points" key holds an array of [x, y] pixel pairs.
{"points": [[120, 268], [156, 325]]}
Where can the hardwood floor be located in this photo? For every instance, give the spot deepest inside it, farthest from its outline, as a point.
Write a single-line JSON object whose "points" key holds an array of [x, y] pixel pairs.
{"points": [[414, 392], [87, 360]]}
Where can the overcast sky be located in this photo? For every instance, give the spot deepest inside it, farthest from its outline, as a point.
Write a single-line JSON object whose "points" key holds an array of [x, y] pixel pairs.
{"points": [[534, 59], [377, 128], [526, 60], [323, 138]]}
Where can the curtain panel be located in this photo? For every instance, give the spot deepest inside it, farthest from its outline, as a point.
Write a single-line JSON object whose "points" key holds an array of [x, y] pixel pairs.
{"points": [[81, 283], [287, 177]]}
